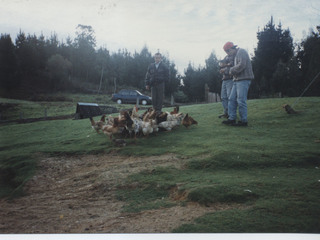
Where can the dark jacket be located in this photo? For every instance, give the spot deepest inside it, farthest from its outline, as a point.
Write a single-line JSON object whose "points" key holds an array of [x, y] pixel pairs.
{"points": [[155, 76]]}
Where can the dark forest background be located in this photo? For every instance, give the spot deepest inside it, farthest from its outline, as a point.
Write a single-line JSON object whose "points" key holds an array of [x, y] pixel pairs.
{"points": [[31, 65]]}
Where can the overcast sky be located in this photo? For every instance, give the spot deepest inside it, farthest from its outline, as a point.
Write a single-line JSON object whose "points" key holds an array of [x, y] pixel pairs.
{"points": [[183, 30]]}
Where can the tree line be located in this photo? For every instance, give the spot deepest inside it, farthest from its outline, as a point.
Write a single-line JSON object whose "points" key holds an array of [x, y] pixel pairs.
{"points": [[281, 67], [38, 65]]}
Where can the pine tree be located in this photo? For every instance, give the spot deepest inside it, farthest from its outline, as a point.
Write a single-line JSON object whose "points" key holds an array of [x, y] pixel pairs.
{"points": [[275, 48], [309, 60], [8, 64], [213, 77]]}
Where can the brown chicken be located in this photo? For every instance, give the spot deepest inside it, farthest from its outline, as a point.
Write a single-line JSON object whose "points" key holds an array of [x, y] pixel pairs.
{"points": [[121, 119], [188, 121], [150, 115], [110, 130], [147, 112], [98, 125], [175, 110]]}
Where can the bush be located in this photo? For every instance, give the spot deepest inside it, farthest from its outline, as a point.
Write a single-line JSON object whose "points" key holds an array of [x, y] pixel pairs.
{"points": [[180, 97]]}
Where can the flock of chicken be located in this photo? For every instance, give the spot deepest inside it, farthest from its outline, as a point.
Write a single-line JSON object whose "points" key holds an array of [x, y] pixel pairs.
{"points": [[132, 124]]}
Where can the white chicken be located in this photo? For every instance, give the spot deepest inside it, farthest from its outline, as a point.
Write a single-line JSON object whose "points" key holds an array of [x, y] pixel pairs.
{"points": [[172, 122], [149, 127], [172, 117], [168, 125]]}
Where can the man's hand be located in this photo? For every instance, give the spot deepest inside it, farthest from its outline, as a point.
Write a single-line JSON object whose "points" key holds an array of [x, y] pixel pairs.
{"points": [[225, 70]]}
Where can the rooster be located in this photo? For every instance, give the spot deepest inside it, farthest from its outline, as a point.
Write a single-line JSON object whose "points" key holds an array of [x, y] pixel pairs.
{"points": [[98, 125], [188, 121]]}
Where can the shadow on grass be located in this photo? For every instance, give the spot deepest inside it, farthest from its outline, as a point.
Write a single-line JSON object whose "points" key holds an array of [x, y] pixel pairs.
{"points": [[282, 216], [14, 173]]}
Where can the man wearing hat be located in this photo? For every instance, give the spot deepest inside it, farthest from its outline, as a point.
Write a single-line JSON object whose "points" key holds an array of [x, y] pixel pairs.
{"points": [[242, 76]]}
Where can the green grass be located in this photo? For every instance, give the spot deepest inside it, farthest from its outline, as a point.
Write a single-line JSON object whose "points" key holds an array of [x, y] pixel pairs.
{"points": [[62, 104], [281, 217], [271, 167], [278, 200]]}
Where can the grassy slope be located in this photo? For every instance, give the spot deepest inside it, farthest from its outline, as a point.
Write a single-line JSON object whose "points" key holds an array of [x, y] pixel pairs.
{"points": [[276, 158], [64, 105]]}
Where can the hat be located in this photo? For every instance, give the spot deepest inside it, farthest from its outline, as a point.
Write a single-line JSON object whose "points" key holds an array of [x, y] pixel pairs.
{"points": [[228, 46]]}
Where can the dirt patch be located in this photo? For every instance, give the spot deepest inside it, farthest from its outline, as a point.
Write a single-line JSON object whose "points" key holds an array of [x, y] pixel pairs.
{"points": [[77, 195]]}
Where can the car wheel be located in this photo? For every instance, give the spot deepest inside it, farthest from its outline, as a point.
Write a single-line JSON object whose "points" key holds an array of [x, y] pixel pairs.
{"points": [[119, 101], [144, 102]]}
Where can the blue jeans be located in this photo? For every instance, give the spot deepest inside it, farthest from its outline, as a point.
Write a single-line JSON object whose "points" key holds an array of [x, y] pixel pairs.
{"points": [[225, 93], [238, 99]]}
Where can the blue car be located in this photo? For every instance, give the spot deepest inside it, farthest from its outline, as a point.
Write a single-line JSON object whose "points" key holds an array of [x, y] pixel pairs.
{"points": [[130, 96]]}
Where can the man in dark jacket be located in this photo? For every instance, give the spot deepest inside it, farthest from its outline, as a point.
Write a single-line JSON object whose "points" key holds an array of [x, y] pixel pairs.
{"points": [[157, 75]]}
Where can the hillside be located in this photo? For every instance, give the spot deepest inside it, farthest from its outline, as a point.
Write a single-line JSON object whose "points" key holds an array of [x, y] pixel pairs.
{"points": [[62, 177]]}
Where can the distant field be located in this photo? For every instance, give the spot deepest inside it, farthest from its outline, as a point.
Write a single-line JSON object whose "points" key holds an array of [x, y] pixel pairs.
{"points": [[270, 168]]}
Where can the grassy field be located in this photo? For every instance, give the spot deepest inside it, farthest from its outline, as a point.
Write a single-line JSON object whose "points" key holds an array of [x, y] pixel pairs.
{"points": [[271, 167], [64, 104]]}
